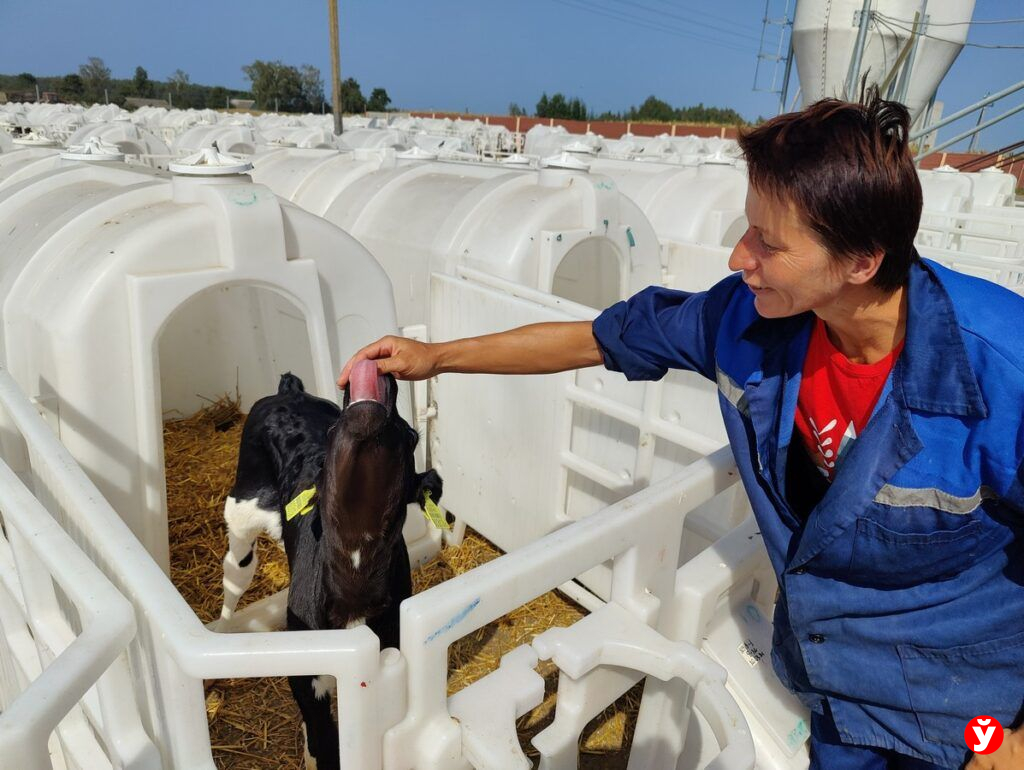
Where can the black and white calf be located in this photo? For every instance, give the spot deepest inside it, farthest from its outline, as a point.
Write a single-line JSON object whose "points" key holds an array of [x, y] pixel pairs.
{"points": [[346, 554]]}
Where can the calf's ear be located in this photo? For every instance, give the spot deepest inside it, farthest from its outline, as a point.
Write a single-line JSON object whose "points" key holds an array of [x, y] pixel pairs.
{"points": [[423, 483]]}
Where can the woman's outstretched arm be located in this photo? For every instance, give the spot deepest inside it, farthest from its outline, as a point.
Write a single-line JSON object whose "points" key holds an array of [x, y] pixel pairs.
{"points": [[541, 348]]}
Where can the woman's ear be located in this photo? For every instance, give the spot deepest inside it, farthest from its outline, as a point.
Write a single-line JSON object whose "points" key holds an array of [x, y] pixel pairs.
{"points": [[862, 268]]}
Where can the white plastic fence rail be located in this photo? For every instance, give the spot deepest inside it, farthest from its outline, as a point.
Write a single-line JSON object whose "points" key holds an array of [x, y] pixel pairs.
{"points": [[63, 653], [641, 534], [1008, 272], [988, 244], [996, 232], [173, 652]]}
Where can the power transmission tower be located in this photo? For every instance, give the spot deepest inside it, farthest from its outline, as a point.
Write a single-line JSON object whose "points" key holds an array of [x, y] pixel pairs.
{"points": [[775, 51]]}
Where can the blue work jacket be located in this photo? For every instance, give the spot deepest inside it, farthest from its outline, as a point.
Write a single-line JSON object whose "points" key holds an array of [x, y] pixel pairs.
{"points": [[901, 598]]}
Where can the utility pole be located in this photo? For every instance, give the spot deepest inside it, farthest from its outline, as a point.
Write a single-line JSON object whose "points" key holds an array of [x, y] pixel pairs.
{"points": [[332, 20], [974, 139]]}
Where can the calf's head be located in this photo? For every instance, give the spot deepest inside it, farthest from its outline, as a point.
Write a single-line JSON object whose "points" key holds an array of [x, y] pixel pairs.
{"points": [[370, 451]]}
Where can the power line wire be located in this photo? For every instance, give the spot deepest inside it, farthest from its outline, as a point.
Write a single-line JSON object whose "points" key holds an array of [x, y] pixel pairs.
{"points": [[957, 23], [889, 22], [725, 20], [885, 47], [695, 34], [684, 19], [644, 24], [1010, 161], [991, 156]]}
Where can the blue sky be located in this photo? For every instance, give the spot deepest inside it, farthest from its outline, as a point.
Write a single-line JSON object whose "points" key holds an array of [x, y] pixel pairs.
{"points": [[480, 55]]}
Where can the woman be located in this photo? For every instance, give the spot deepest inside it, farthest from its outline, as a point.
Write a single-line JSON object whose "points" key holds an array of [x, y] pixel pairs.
{"points": [[873, 404]]}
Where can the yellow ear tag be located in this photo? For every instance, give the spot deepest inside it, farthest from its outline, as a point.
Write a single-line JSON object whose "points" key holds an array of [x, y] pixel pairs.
{"points": [[300, 505], [433, 513]]}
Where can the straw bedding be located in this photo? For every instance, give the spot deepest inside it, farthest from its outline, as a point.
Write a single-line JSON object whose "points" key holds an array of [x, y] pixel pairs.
{"points": [[254, 723]]}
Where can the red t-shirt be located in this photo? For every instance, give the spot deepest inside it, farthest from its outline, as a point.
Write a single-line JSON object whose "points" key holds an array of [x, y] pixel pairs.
{"points": [[836, 399]]}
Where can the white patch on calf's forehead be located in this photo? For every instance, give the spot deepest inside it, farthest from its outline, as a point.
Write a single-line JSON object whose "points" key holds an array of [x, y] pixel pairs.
{"points": [[355, 556], [322, 686], [246, 519]]}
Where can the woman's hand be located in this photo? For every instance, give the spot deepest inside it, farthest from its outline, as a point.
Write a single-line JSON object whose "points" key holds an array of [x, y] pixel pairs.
{"points": [[404, 358], [1009, 756]]}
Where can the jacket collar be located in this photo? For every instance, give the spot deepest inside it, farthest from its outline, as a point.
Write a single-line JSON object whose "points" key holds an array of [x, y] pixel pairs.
{"points": [[936, 372], [769, 332], [939, 377]]}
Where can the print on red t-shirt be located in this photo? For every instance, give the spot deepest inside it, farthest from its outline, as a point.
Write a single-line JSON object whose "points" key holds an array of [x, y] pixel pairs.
{"points": [[836, 399]]}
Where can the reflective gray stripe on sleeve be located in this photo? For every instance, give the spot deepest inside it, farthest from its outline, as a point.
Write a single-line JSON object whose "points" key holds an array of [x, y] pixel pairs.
{"points": [[929, 497], [733, 393]]}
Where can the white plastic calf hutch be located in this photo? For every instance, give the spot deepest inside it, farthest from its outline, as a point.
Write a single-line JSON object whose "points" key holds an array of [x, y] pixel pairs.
{"points": [[373, 139], [992, 187], [696, 210], [25, 162], [305, 137], [234, 139], [312, 178], [126, 294], [559, 229], [130, 139]]}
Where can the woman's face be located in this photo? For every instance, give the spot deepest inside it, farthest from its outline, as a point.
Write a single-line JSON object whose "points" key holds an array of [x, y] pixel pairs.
{"points": [[783, 264]]}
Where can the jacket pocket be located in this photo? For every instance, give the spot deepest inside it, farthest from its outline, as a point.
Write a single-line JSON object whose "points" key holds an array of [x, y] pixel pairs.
{"points": [[950, 686], [886, 558]]}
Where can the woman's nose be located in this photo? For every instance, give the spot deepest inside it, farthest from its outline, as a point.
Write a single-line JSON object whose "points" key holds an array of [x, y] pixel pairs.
{"points": [[742, 257]]}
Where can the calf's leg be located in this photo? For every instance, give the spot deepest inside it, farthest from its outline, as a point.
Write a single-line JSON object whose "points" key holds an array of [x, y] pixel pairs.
{"points": [[245, 520], [321, 732]]}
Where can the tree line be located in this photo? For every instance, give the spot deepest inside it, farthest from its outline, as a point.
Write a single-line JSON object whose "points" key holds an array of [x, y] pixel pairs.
{"points": [[274, 86], [94, 83], [652, 109], [286, 88]]}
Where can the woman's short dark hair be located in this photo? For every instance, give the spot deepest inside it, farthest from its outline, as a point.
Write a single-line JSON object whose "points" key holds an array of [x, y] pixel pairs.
{"points": [[847, 169]]}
